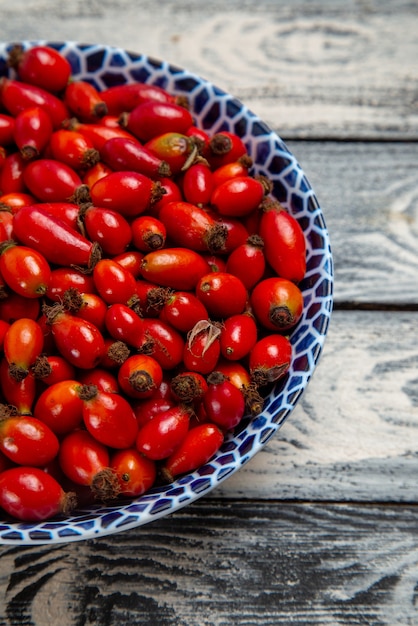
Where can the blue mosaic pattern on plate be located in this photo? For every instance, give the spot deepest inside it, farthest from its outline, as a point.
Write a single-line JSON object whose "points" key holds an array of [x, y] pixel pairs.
{"points": [[214, 110]]}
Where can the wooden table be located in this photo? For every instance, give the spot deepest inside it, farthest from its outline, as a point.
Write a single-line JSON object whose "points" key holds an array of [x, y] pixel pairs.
{"points": [[321, 526]]}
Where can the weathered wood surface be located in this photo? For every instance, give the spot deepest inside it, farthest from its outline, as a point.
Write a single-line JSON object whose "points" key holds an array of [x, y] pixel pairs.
{"points": [[321, 526], [369, 196], [309, 68], [219, 564]]}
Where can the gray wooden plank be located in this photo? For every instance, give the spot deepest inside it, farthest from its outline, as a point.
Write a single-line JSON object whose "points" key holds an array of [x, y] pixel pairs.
{"points": [[309, 69], [217, 563], [353, 435], [369, 196]]}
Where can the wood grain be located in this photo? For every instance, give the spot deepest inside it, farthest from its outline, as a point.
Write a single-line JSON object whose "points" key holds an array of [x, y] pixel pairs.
{"points": [[320, 527], [369, 196], [309, 69], [287, 564]]}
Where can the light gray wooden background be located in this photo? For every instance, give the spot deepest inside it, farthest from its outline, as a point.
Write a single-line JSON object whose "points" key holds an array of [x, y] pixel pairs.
{"points": [[321, 526]]}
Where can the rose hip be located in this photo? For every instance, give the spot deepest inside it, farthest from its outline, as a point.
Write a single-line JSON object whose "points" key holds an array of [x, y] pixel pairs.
{"points": [[41, 65], [30, 494], [196, 449], [148, 287], [151, 118], [32, 132]]}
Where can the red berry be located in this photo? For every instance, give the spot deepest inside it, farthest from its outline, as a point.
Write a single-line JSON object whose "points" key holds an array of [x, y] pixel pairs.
{"points": [[30, 494]]}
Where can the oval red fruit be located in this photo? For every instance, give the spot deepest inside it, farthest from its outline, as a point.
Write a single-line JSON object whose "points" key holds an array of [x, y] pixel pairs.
{"points": [[30, 494]]}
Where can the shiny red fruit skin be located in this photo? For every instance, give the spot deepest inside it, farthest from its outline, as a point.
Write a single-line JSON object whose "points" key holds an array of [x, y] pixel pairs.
{"points": [[59, 370], [108, 228], [237, 233], [82, 457], [202, 349], [93, 309], [230, 170], [247, 262], [15, 200], [270, 359], [130, 260], [140, 376], [178, 268], [25, 270], [60, 407], [63, 278], [238, 336], [7, 124], [123, 324], [183, 310], [11, 174], [44, 67], [146, 410], [197, 184], [222, 294], [237, 197], [110, 419], [99, 133], [26, 440], [50, 180], [4, 327], [136, 473], [100, 378], [78, 340], [148, 233], [6, 225], [128, 193], [113, 283], [192, 227], [20, 394], [159, 437], [237, 373], [224, 404], [30, 494], [94, 173], [15, 306], [23, 343], [163, 342], [3, 156], [277, 303], [33, 130], [52, 237], [121, 153], [216, 262], [73, 148], [17, 96], [284, 244], [68, 212], [200, 136], [120, 98], [174, 148], [196, 449], [151, 119], [172, 193], [224, 147], [84, 101], [163, 390]]}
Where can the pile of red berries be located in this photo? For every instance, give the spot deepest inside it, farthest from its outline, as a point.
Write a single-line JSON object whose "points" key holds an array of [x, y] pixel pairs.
{"points": [[148, 284]]}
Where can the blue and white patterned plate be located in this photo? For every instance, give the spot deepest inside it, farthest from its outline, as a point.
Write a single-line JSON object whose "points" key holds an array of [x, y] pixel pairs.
{"points": [[214, 110]]}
